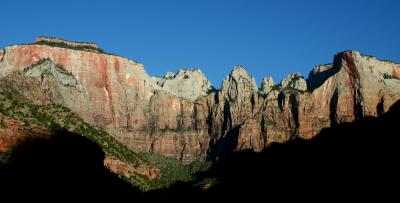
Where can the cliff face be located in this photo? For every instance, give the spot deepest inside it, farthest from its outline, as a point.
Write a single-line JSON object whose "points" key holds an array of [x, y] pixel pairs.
{"points": [[188, 84], [179, 116], [112, 84], [109, 92], [355, 86]]}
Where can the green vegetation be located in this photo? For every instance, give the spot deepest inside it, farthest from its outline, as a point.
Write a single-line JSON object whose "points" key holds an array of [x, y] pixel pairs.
{"points": [[368, 56], [207, 183], [53, 70], [55, 117], [59, 67], [269, 122], [388, 76], [288, 89], [296, 78], [4, 157], [2, 124], [46, 119], [18, 111], [69, 46], [261, 94], [171, 170], [40, 62], [199, 166], [276, 87], [291, 90]]}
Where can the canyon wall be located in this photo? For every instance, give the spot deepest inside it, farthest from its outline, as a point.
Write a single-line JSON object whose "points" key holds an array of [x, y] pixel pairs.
{"points": [[181, 115]]}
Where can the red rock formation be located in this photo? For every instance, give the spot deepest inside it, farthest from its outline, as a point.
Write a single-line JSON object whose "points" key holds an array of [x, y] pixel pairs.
{"points": [[120, 97], [12, 134], [105, 99], [119, 167], [118, 93]]}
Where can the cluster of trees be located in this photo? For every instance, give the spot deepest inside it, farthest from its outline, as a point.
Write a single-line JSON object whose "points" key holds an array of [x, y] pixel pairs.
{"points": [[69, 46]]}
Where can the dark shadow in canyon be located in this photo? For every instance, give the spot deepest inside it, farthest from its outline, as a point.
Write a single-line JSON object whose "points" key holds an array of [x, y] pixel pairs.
{"points": [[65, 165], [220, 147], [224, 146], [357, 160], [315, 80]]}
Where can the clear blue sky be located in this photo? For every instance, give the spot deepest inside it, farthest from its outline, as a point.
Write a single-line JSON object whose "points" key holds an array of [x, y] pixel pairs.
{"points": [[267, 37]]}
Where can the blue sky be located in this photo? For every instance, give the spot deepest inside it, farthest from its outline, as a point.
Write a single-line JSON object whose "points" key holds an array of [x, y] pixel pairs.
{"points": [[269, 38]]}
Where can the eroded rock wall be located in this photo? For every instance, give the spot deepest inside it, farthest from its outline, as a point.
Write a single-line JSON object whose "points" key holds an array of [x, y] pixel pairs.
{"points": [[171, 117]]}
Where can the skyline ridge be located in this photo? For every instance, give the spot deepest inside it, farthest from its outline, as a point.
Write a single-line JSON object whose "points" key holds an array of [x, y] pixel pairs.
{"points": [[176, 70], [215, 35]]}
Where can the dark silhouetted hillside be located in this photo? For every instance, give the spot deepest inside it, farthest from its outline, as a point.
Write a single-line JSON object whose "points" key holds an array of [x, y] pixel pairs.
{"points": [[357, 160], [65, 165]]}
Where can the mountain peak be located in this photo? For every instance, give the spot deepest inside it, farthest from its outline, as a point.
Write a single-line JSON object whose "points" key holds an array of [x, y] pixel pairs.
{"points": [[238, 84], [186, 83], [239, 71], [116, 94], [267, 84]]}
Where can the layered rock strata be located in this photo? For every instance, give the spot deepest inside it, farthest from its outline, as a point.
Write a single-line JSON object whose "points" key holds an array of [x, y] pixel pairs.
{"points": [[180, 115]]}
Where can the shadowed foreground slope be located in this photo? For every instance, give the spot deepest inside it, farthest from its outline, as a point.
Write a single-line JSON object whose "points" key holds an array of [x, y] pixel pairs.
{"points": [[64, 165], [357, 159]]}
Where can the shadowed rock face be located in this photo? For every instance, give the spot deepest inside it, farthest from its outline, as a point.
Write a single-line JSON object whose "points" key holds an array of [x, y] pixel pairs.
{"points": [[65, 163], [1, 55], [174, 116], [333, 164]]}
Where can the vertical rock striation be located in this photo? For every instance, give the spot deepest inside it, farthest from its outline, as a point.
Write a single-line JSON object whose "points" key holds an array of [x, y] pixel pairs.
{"points": [[182, 116]]}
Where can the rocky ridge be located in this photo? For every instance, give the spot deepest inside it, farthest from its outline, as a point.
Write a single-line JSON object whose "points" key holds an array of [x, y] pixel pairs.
{"points": [[178, 115], [186, 83]]}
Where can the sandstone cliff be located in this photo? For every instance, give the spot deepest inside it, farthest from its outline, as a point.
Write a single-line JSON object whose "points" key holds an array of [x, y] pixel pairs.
{"points": [[188, 84], [179, 116]]}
